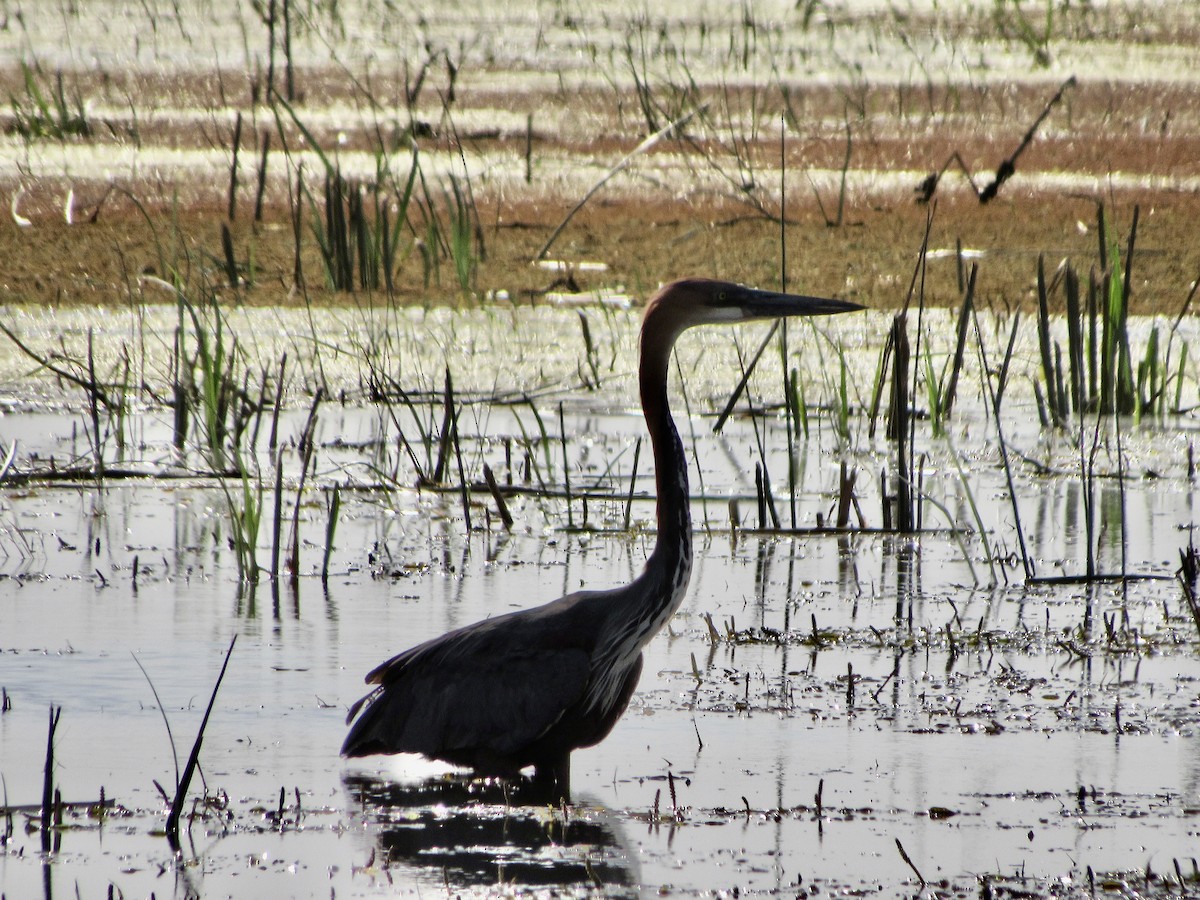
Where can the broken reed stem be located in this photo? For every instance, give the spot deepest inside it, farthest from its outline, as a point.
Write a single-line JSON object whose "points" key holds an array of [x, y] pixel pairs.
{"points": [[94, 399], [1087, 481], [269, 20], [179, 394], [278, 403], [258, 408], [404, 442], [1189, 570], [289, 73], [296, 207], [590, 354], [1079, 396], [637, 452], [462, 477], [760, 497], [501, 506], [230, 259], [964, 320], [262, 177], [277, 519], [306, 448], [48, 780], [562, 429], [448, 417], [766, 497], [193, 760], [1128, 284], [747, 372], [904, 856], [1002, 377], [529, 148], [1121, 494], [339, 257], [233, 167], [899, 426], [846, 479], [791, 419], [334, 506]]}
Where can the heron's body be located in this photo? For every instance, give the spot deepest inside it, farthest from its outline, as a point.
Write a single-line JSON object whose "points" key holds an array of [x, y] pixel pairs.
{"points": [[527, 688]]}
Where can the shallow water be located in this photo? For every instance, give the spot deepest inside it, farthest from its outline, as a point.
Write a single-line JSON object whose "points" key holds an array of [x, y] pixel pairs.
{"points": [[998, 729], [823, 708]]}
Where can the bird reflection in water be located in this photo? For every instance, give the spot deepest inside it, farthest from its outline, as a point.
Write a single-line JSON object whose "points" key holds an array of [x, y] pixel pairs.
{"points": [[467, 833]]}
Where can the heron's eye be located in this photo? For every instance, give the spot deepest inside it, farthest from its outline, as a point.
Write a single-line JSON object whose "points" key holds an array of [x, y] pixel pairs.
{"points": [[721, 296]]}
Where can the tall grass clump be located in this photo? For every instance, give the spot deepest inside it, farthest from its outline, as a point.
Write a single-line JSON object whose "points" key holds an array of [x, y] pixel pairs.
{"points": [[358, 223], [366, 228], [460, 237], [245, 517], [45, 111], [1026, 29], [358, 232], [1101, 371], [217, 397]]}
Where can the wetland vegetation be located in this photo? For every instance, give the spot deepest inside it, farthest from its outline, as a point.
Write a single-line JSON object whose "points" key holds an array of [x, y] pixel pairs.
{"points": [[318, 333]]}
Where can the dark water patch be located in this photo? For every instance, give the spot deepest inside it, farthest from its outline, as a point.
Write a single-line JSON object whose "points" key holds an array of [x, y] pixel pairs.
{"points": [[480, 835]]}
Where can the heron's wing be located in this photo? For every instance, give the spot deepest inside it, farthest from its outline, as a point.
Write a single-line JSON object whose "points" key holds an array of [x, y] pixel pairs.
{"points": [[492, 688]]}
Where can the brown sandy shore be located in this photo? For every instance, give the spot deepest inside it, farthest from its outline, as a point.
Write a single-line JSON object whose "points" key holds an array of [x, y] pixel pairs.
{"points": [[703, 200]]}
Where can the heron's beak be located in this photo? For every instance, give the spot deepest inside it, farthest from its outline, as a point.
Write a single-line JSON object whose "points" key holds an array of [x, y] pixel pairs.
{"points": [[758, 304]]}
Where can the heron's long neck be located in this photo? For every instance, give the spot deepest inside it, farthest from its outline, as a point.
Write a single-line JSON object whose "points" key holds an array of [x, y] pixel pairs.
{"points": [[635, 613], [672, 556]]}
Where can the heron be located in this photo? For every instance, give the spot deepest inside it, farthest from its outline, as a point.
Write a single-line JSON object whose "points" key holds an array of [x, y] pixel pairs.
{"points": [[529, 687]]}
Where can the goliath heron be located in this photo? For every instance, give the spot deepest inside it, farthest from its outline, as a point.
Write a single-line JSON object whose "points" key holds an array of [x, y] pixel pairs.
{"points": [[527, 688]]}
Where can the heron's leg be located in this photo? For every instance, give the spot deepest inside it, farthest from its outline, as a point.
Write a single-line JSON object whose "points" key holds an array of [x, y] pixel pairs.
{"points": [[554, 778]]}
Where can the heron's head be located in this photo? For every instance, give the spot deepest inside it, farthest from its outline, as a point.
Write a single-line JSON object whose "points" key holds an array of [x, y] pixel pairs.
{"points": [[699, 301]]}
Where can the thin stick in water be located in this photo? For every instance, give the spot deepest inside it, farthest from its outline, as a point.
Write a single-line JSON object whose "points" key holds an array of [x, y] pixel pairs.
{"points": [[462, 478], [189, 768], [904, 856], [637, 452], [640, 148], [741, 386], [335, 506], [48, 782], [501, 506], [562, 429]]}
